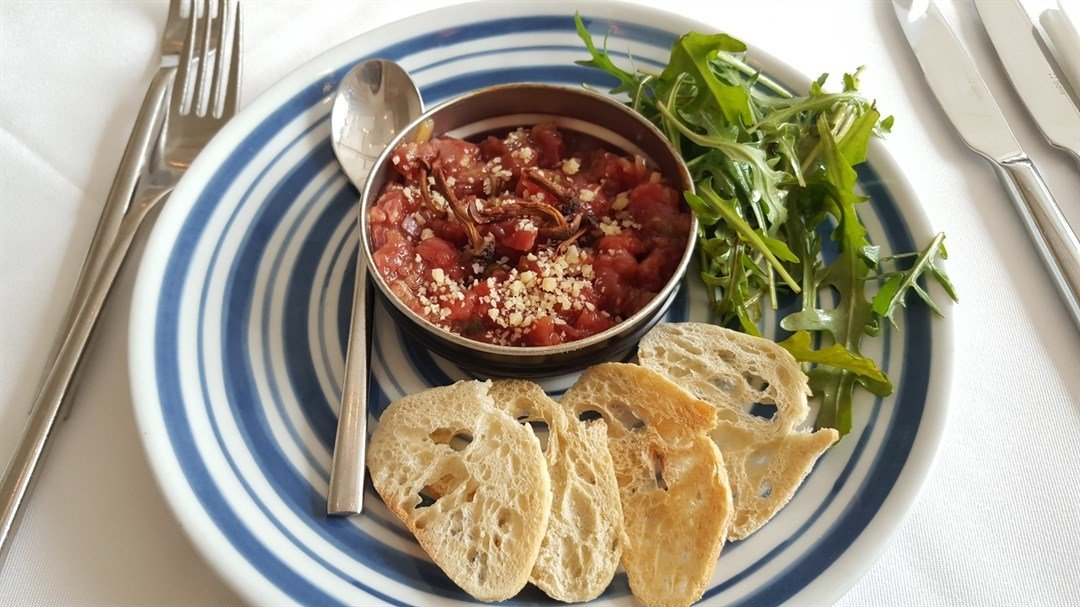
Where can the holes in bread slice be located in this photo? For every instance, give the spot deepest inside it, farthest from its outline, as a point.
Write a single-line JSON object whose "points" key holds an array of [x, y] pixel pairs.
{"points": [[724, 383], [625, 416], [478, 559], [590, 415], [540, 429], [765, 490], [426, 499], [763, 410], [458, 440], [681, 371], [694, 351], [756, 382], [728, 415], [583, 469], [658, 471], [433, 492], [502, 520]]}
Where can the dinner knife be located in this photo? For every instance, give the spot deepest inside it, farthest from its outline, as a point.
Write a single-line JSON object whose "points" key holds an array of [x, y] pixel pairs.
{"points": [[966, 100], [1064, 43], [1043, 94]]}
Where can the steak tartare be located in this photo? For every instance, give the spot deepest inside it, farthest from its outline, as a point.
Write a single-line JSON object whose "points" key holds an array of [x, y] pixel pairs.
{"points": [[536, 238]]}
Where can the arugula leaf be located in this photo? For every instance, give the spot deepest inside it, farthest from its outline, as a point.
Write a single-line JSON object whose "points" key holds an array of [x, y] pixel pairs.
{"points": [[766, 180], [707, 214], [885, 126], [772, 172], [853, 316], [727, 210], [777, 247], [691, 54], [854, 144], [895, 289], [836, 356], [812, 104], [627, 82]]}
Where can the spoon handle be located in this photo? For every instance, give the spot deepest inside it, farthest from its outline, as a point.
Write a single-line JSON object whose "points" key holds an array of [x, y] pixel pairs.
{"points": [[346, 495]]}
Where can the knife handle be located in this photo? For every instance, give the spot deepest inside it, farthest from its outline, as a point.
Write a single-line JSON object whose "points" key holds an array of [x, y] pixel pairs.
{"points": [[1056, 241], [132, 164], [29, 451]]}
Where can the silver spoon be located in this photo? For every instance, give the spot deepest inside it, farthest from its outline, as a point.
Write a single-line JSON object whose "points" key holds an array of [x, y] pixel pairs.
{"points": [[374, 101]]}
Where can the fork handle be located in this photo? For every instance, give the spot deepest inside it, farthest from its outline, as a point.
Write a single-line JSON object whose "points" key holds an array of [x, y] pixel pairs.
{"points": [[139, 147], [1054, 238], [15, 486]]}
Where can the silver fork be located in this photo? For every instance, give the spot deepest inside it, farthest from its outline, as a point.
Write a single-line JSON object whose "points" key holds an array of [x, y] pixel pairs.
{"points": [[204, 95], [133, 163]]}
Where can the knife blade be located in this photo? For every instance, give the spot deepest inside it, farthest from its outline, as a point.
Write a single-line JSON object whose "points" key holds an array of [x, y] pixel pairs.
{"points": [[1064, 43], [1043, 94], [955, 82], [967, 102]]}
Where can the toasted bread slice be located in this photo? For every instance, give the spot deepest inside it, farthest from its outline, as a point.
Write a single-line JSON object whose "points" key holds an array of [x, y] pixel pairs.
{"points": [[766, 459], [674, 490], [584, 541], [469, 481]]}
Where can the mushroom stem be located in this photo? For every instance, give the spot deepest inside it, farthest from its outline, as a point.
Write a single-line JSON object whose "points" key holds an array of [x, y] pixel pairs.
{"points": [[567, 197], [564, 245], [425, 193], [516, 207], [476, 242], [561, 232]]}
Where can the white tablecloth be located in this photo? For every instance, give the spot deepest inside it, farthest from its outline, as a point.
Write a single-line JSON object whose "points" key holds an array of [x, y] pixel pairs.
{"points": [[997, 523]]}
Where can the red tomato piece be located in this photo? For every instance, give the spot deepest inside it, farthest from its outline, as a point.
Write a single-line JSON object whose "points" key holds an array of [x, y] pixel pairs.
{"points": [[392, 203], [460, 309], [550, 143], [509, 233], [438, 253], [619, 260], [392, 258], [653, 201], [655, 270], [626, 240], [591, 322], [637, 300], [449, 230], [543, 333], [616, 273], [492, 147], [409, 157]]}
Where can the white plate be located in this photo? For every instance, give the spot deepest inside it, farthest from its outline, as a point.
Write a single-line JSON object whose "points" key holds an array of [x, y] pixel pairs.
{"points": [[240, 313]]}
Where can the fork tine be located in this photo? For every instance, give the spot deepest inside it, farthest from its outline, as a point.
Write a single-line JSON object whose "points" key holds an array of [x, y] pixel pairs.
{"points": [[187, 57], [206, 64], [221, 56], [232, 91], [176, 9]]}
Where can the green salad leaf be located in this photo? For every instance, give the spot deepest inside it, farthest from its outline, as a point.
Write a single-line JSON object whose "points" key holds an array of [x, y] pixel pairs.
{"points": [[835, 355], [691, 54], [898, 284], [775, 177]]}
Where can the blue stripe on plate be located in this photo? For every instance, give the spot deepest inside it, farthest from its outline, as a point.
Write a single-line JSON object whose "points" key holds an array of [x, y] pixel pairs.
{"points": [[344, 304], [531, 49]]}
